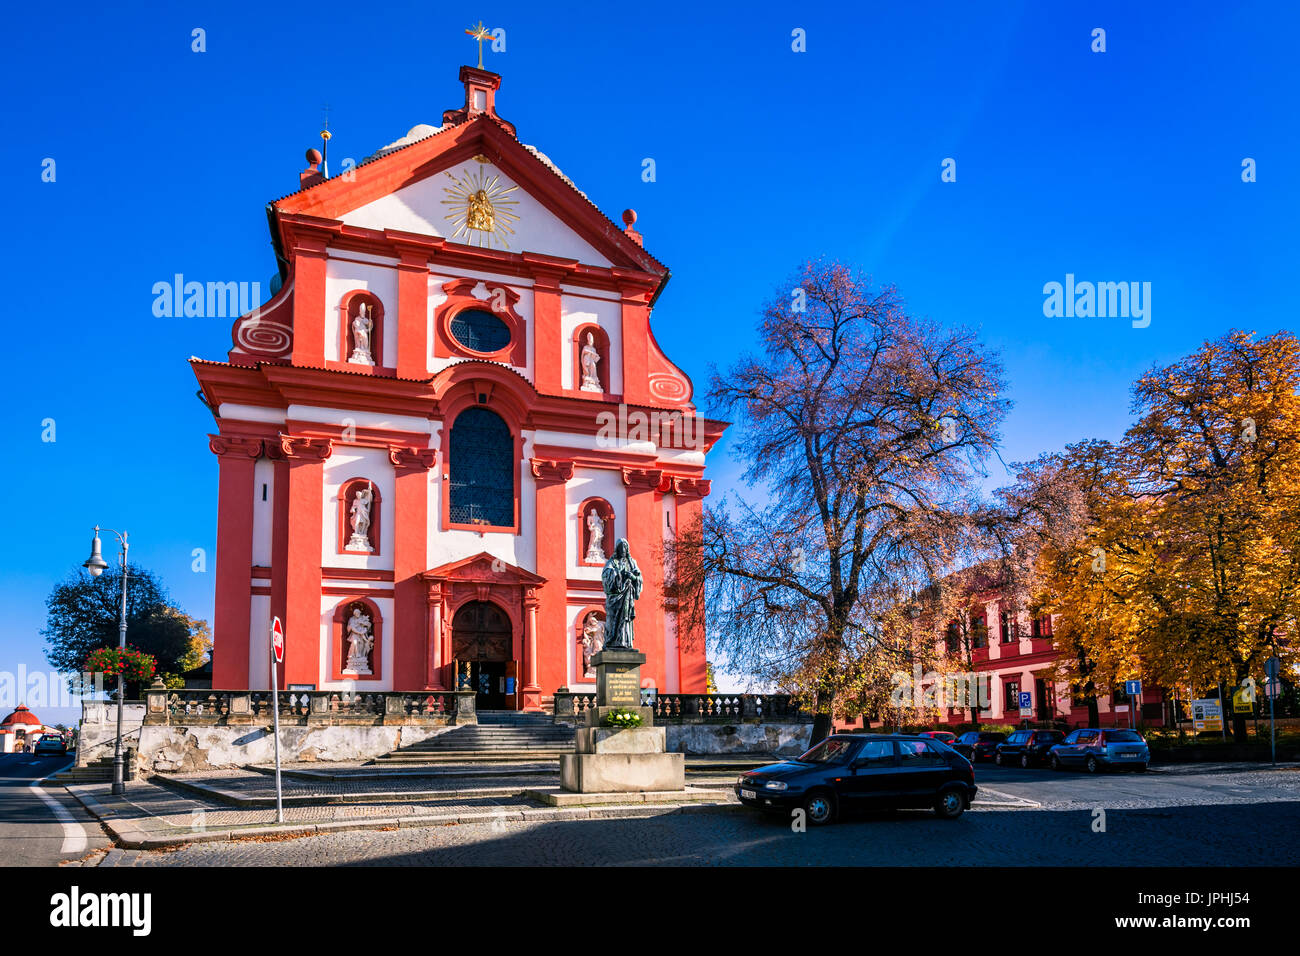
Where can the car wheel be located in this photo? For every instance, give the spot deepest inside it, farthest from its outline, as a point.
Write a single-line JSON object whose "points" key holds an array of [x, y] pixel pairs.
{"points": [[1054, 762], [1024, 761], [1091, 765], [950, 805], [1141, 768], [819, 808]]}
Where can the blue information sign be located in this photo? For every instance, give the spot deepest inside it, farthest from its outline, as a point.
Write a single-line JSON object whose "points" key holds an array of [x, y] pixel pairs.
{"points": [[1133, 687], [1026, 700]]}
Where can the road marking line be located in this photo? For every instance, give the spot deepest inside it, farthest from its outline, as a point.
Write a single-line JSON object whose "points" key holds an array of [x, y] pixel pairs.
{"points": [[74, 835], [1021, 801]]}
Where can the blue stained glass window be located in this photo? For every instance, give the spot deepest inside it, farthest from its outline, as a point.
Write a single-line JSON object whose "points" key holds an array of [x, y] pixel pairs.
{"points": [[482, 473], [480, 331]]}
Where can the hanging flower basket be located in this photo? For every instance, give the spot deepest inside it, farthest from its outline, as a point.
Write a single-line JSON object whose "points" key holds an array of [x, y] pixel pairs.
{"points": [[132, 664], [623, 717]]}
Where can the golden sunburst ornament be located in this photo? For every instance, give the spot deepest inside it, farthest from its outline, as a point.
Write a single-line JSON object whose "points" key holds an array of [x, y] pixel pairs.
{"points": [[479, 207]]}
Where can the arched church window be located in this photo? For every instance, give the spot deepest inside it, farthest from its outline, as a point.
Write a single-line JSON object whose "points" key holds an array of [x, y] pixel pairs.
{"points": [[480, 331], [481, 472]]}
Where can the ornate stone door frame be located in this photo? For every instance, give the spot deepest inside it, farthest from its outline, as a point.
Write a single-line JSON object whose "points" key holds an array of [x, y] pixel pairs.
{"points": [[483, 577]]}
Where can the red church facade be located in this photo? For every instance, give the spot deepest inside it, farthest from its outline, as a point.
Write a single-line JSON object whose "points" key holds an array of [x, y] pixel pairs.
{"points": [[422, 437]]}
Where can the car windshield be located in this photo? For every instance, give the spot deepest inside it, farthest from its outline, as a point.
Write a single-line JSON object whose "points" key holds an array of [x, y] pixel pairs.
{"points": [[55, 737], [993, 737], [831, 750], [1122, 737]]}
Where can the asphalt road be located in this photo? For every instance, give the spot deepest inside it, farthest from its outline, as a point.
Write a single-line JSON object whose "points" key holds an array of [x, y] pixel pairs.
{"points": [[41, 826], [1183, 836]]}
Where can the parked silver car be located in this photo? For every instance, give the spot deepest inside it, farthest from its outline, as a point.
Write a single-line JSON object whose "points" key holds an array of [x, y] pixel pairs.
{"points": [[1098, 749]]}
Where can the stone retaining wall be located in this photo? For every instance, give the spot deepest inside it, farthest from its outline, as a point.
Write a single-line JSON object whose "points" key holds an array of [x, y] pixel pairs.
{"points": [[171, 748], [785, 739], [98, 728]]}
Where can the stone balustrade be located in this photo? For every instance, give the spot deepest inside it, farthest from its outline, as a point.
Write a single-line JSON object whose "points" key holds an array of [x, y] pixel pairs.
{"points": [[695, 708], [308, 708]]}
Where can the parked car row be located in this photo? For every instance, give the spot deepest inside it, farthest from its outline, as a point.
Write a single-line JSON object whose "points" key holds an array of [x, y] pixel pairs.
{"points": [[1093, 749]]}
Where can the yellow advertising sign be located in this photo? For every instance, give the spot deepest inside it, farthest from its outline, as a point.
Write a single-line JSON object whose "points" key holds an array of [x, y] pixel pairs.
{"points": [[1207, 715]]}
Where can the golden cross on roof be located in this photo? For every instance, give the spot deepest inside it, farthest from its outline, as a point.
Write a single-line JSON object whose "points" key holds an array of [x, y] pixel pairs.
{"points": [[480, 33]]}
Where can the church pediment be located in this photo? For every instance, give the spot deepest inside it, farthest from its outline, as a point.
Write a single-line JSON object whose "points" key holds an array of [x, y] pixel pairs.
{"points": [[470, 181], [476, 203]]}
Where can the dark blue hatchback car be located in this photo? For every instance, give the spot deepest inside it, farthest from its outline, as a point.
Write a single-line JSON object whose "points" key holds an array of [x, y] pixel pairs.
{"points": [[848, 772]]}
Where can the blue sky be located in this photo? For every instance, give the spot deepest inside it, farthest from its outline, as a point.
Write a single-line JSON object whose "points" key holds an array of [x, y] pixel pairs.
{"points": [[1115, 166]]}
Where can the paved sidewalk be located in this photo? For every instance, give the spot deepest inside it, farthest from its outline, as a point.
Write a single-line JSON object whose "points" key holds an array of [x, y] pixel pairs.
{"points": [[152, 816]]}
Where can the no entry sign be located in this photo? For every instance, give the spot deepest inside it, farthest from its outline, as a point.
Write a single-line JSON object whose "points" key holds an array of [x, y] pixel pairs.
{"points": [[277, 639]]}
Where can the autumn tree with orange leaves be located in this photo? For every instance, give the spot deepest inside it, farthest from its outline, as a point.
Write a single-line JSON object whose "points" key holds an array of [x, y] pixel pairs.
{"points": [[1178, 557]]}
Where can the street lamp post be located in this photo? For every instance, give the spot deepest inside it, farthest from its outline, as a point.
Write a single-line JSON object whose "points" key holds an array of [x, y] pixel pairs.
{"points": [[96, 564]]}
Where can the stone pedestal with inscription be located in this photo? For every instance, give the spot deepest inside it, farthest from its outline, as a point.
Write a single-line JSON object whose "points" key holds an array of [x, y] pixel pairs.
{"points": [[620, 760]]}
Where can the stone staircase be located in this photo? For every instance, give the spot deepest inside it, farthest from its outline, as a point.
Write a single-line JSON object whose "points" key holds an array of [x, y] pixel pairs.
{"points": [[500, 736], [97, 771]]}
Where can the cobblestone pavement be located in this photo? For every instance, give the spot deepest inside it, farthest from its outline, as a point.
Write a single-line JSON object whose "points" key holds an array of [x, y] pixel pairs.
{"points": [[1169, 786], [1188, 836]]}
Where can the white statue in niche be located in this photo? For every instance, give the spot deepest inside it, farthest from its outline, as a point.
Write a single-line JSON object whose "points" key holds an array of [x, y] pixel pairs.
{"points": [[360, 642], [596, 538], [593, 639], [362, 325], [360, 512], [590, 358]]}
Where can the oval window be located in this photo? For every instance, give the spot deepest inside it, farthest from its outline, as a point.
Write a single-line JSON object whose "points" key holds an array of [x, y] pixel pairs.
{"points": [[480, 331]]}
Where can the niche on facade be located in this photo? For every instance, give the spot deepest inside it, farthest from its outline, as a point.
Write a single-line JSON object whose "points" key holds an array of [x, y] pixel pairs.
{"points": [[356, 645], [591, 360], [359, 514], [361, 318], [596, 537]]}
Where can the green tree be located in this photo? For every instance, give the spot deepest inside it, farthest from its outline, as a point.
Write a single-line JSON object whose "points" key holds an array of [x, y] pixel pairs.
{"points": [[82, 615]]}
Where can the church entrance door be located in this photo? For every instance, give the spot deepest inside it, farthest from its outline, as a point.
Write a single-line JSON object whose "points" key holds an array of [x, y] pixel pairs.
{"points": [[482, 641]]}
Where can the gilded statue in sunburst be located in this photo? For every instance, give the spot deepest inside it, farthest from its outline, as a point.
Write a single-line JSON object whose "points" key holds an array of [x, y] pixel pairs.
{"points": [[480, 207]]}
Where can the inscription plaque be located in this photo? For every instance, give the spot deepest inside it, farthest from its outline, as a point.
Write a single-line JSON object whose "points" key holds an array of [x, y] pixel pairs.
{"points": [[623, 687]]}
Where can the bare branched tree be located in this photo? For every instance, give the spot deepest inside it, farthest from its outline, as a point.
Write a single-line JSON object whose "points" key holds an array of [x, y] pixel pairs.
{"points": [[864, 433]]}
